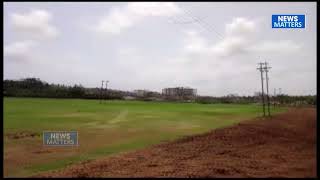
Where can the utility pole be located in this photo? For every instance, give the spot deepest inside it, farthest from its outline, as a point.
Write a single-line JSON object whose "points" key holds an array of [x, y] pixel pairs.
{"points": [[274, 98], [279, 91], [101, 92], [106, 89], [262, 94], [267, 79]]}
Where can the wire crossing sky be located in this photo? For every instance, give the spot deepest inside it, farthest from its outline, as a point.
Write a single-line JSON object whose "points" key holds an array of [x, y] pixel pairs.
{"points": [[211, 46]]}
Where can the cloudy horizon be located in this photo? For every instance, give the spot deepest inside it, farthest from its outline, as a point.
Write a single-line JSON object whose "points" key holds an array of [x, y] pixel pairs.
{"points": [[211, 46]]}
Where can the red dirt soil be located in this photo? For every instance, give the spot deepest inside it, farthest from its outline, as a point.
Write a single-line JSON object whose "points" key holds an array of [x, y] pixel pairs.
{"points": [[281, 146]]}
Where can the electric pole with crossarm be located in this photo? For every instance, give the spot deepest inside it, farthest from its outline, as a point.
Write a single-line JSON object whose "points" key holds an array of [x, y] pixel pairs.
{"points": [[266, 70], [262, 94], [101, 92], [107, 89]]}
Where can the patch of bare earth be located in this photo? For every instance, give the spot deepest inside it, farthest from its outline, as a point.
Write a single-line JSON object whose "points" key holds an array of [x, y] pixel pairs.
{"points": [[282, 146], [22, 134]]}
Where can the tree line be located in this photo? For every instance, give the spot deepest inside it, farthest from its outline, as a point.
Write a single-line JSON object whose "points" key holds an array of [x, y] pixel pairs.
{"points": [[34, 87], [281, 99]]}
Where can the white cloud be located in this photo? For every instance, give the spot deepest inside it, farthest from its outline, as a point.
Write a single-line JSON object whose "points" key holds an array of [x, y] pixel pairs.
{"points": [[194, 43], [19, 51], [282, 46], [201, 61], [122, 18], [240, 37], [230, 46], [35, 24], [31, 28], [239, 34], [154, 8], [240, 27]]}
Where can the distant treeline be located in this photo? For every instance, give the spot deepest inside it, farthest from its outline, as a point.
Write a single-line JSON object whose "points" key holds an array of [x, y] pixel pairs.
{"points": [[34, 87], [227, 99], [281, 99]]}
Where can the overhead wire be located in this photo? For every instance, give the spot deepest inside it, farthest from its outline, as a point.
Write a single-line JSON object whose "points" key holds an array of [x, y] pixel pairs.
{"points": [[202, 23]]}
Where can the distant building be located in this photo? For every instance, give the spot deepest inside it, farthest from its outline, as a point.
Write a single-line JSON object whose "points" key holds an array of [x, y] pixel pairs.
{"points": [[145, 93], [179, 92], [140, 92]]}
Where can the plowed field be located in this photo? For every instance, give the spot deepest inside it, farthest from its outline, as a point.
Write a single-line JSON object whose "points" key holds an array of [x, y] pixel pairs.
{"points": [[280, 146]]}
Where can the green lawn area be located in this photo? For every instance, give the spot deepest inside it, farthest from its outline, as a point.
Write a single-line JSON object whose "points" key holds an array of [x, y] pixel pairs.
{"points": [[104, 129]]}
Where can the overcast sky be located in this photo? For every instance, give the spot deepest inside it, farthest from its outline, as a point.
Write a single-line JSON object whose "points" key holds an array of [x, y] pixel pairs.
{"points": [[211, 46]]}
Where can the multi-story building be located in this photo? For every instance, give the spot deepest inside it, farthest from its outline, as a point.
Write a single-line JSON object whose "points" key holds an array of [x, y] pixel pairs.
{"points": [[140, 92], [179, 92], [146, 93]]}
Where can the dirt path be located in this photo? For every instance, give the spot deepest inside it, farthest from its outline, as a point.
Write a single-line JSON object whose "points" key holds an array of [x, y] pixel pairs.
{"points": [[284, 146]]}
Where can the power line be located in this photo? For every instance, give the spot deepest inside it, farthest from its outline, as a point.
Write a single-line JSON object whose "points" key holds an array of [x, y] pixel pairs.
{"points": [[200, 22], [204, 22], [183, 22], [179, 20]]}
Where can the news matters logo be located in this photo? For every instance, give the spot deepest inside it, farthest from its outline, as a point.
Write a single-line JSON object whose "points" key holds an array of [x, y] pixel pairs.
{"points": [[288, 21], [60, 138]]}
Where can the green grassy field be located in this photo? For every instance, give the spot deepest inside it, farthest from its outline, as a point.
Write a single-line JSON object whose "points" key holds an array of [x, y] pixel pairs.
{"points": [[104, 129]]}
